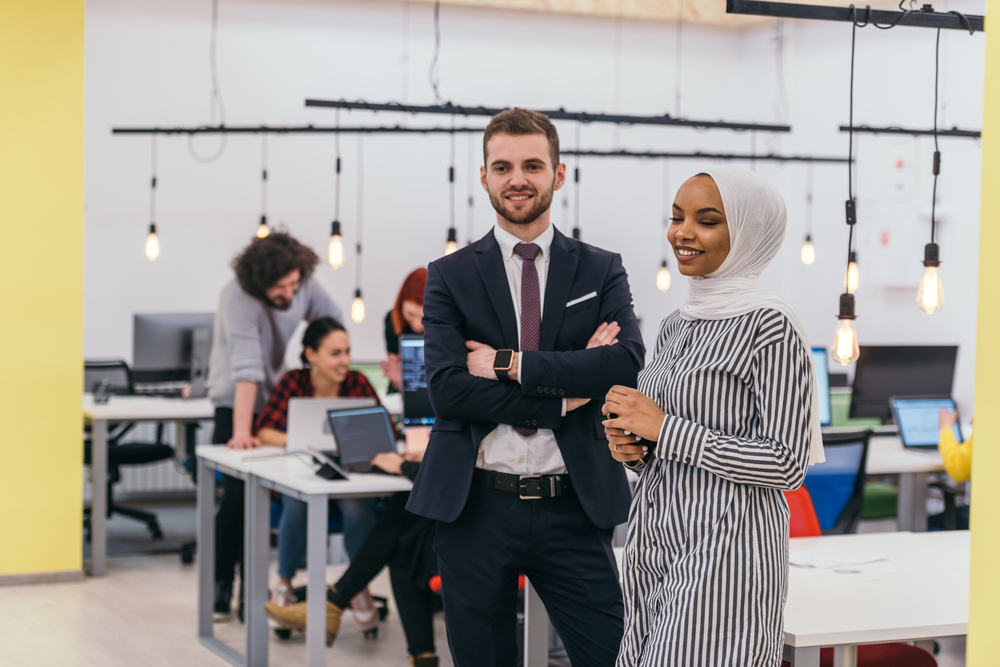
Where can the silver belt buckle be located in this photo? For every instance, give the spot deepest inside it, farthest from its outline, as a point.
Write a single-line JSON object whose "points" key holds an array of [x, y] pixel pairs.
{"points": [[520, 487]]}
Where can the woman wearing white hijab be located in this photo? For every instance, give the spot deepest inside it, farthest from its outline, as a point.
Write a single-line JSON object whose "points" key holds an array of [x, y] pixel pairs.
{"points": [[725, 418]]}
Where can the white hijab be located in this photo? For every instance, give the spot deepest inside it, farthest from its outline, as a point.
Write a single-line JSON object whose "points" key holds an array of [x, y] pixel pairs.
{"points": [[755, 212]]}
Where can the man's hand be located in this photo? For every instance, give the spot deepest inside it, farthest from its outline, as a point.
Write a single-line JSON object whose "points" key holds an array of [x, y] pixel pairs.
{"points": [[392, 368], [389, 462], [243, 441], [480, 360], [637, 414], [606, 334]]}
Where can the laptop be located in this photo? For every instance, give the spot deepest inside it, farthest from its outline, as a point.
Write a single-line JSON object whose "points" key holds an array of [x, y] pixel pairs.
{"points": [[308, 427], [417, 410], [361, 434], [917, 418], [822, 384]]}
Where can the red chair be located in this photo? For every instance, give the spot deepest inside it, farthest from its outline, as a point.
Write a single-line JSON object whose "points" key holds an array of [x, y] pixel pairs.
{"points": [[802, 522]]}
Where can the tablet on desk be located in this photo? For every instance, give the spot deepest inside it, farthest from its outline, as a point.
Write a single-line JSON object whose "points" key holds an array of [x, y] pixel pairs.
{"points": [[361, 434], [918, 419]]}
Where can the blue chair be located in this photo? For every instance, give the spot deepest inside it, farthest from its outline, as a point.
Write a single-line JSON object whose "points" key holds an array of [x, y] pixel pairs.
{"points": [[837, 486]]}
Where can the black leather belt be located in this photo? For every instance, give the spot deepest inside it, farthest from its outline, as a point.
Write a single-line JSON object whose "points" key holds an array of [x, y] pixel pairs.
{"points": [[527, 487]]}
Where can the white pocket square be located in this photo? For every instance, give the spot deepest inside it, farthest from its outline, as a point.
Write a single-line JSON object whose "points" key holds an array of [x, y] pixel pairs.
{"points": [[583, 298]]}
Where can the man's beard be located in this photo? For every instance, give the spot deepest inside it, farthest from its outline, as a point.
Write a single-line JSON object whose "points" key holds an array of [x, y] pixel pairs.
{"points": [[543, 200], [281, 304]]}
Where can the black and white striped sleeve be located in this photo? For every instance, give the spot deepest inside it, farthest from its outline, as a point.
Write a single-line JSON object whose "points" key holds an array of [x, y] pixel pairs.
{"points": [[778, 457]]}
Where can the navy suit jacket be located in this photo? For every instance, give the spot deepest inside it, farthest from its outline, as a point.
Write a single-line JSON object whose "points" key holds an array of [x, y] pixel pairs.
{"points": [[468, 298]]}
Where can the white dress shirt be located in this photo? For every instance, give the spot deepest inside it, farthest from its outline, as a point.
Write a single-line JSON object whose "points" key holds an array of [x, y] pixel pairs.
{"points": [[504, 450]]}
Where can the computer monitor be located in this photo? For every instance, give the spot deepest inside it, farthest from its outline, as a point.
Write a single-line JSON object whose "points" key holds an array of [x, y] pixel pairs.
{"points": [[822, 384], [417, 409], [172, 347], [884, 371]]}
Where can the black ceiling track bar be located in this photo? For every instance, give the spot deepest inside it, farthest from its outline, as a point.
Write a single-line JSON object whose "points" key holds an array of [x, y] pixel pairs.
{"points": [[295, 129], [861, 15], [554, 114], [749, 157], [954, 132]]}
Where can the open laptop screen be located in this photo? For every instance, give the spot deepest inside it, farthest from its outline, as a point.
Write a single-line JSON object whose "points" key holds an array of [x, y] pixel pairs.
{"points": [[361, 434], [417, 409], [917, 419]]}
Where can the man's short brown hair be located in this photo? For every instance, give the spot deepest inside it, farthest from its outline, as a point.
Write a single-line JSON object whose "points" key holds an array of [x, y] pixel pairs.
{"points": [[266, 261], [519, 122]]}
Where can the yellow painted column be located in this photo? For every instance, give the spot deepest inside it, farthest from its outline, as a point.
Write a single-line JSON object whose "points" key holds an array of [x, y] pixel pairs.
{"points": [[984, 603], [41, 287]]}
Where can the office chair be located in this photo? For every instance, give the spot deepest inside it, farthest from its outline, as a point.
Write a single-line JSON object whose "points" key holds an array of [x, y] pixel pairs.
{"points": [[115, 377], [803, 522], [837, 486]]}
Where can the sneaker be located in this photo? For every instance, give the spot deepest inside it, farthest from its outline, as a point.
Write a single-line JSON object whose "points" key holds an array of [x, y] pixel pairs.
{"points": [[281, 597], [294, 617], [364, 610], [223, 609]]}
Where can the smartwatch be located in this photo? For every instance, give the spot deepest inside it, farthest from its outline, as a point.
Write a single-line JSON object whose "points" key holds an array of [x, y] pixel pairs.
{"points": [[502, 363]]}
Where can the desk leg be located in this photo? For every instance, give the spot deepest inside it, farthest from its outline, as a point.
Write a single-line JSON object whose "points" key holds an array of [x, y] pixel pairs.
{"points": [[536, 629], [206, 566], [98, 497], [845, 656], [316, 584], [913, 501], [802, 657], [255, 560]]}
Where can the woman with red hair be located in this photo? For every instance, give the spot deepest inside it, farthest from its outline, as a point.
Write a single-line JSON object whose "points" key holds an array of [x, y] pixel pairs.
{"points": [[406, 317]]}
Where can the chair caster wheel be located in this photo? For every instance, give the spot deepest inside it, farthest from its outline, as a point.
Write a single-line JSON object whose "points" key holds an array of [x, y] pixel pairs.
{"points": [[371, 634], [283, 633]]}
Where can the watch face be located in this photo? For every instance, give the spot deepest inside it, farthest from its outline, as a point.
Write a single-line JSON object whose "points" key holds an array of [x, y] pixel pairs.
{"points": [[502, 360]]}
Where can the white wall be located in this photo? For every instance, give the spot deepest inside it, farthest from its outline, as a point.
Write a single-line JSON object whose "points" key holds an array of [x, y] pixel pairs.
{"points": [[147, 64]]}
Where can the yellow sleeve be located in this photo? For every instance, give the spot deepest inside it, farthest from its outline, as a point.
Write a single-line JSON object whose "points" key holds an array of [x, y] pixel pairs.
{"points": [[957, 457]]}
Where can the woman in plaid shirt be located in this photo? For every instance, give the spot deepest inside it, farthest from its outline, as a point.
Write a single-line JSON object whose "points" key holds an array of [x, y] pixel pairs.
{"points": [[326, 356]]}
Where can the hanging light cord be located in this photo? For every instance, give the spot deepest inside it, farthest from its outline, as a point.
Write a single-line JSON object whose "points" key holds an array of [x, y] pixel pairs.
{"points": [[680, 48], [263, 176], [433, 75], [576, 182], [937, 153], [451, 180], [215, 97], [667, 208], [152, 186], [850, 135], [336, 181], [472, 165], [361, 201], [809, 200]]}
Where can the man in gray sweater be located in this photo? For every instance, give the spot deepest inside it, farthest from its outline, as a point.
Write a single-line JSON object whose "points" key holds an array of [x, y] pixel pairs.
{"points": [[258, 312]]}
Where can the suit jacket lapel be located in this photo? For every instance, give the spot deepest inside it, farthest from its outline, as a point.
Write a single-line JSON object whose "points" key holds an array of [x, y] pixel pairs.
{"points": [[489, 261], [562, 271]]}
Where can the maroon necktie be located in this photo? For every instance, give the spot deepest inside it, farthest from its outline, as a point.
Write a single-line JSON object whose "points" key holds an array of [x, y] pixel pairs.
{"points": [[531, 308]]}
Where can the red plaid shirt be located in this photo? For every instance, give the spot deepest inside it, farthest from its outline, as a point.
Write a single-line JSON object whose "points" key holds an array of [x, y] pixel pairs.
{"points": [[298, 383]]}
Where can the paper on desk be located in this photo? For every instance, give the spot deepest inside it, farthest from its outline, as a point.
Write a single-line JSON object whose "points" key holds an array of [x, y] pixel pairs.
{"points": [[826, 558]]}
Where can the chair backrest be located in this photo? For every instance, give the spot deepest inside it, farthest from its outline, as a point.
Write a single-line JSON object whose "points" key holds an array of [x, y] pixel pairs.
{"points": [[802, 520], [837, 486], [116, 373]]}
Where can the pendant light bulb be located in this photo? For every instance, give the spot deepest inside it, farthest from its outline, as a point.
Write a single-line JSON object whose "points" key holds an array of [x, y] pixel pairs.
{"points": [[335, 251], [262, 229], [845, 340], [930, 296], [808, 251], [357, 307], [853, 278], [452, 244], [663, 277], [152, 244]]}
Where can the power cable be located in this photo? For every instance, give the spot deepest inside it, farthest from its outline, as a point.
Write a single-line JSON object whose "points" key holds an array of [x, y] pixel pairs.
{"points": [[215, 98]]}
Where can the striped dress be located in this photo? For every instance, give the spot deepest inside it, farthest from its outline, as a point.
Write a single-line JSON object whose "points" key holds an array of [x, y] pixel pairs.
{"points": [[706, 561]]}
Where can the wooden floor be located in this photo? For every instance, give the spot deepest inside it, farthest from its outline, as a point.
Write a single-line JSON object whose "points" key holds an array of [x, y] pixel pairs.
{"points": [[143, 613]]}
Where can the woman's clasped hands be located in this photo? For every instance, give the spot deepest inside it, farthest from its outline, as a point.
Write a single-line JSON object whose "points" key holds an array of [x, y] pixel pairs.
{"points": [[632, 417]]}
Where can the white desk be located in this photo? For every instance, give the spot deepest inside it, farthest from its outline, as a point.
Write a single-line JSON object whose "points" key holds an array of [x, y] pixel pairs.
{"points": [[920, 593], [887, 456], [127, 409], [292, 477]]}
